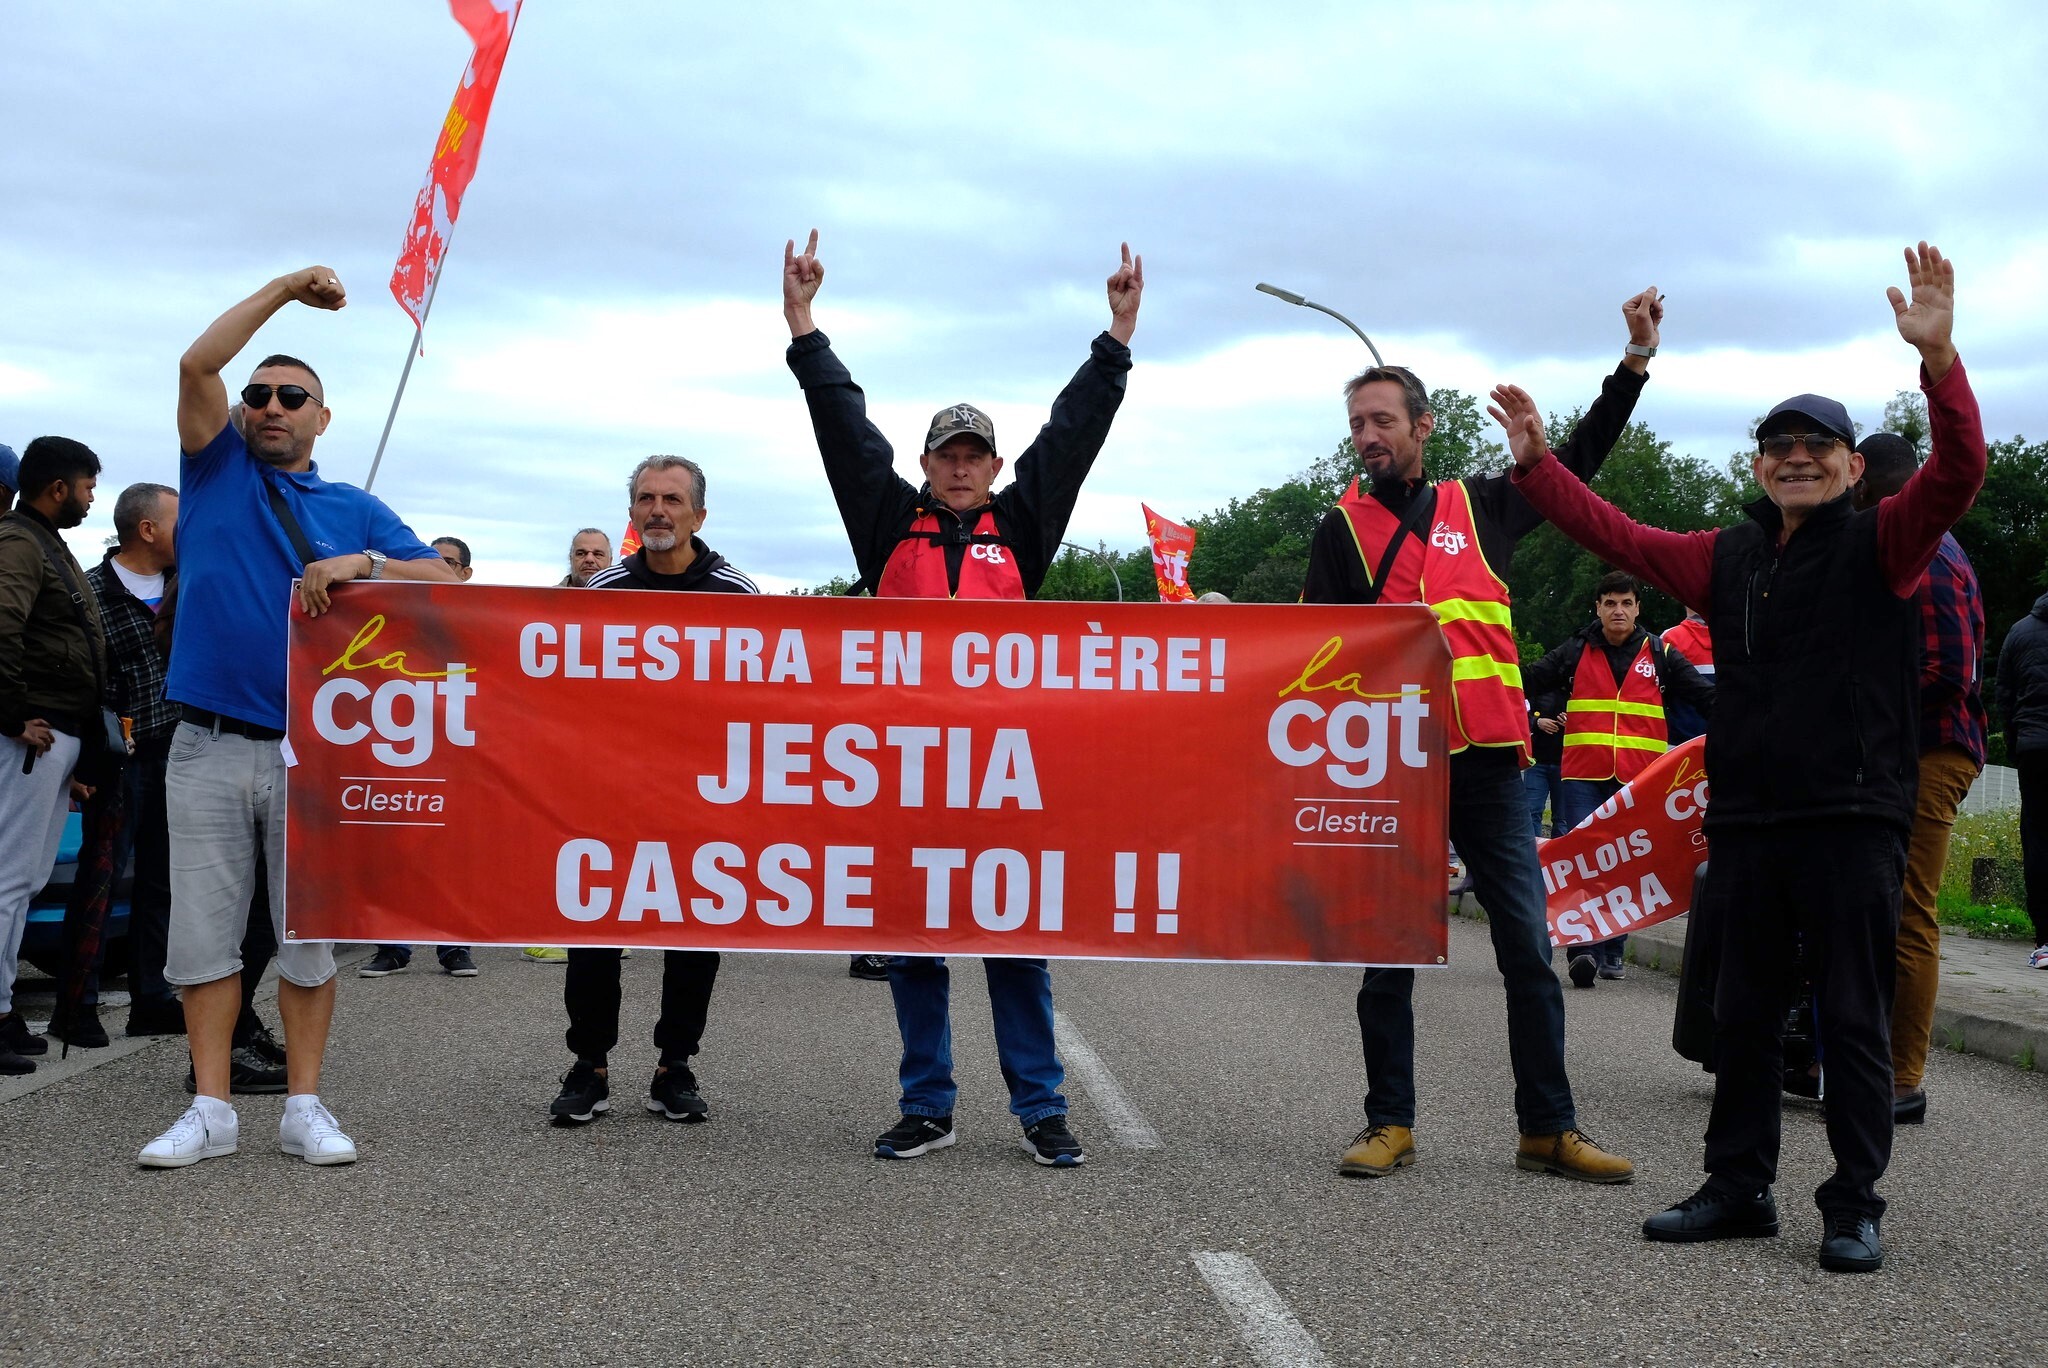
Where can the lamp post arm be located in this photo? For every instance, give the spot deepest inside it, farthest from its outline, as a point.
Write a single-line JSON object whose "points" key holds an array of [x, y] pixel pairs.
{"points": [[1377, 360]]}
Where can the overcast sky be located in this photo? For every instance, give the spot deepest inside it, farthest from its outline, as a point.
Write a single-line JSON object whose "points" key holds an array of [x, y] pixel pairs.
{"points": [[1478, 186]]}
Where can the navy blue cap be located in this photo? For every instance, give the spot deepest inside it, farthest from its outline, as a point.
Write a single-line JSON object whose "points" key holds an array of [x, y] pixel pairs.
{"points": [[10, 469], [1827, 413]]}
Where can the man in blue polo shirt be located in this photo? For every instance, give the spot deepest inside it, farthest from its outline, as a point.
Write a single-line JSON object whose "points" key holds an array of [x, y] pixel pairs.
{"points": [[254, 515]]}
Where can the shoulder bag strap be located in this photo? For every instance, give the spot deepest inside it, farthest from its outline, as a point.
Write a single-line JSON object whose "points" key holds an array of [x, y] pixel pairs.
{"points": [[1418, 513], [283, 512]]}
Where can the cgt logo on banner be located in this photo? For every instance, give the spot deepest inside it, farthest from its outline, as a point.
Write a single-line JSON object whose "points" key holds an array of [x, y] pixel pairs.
{"points": [[528, 766], [1630, 864]]}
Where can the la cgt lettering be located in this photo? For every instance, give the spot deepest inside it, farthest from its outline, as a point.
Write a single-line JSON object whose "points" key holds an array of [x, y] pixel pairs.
{"points": [[405, 715]]}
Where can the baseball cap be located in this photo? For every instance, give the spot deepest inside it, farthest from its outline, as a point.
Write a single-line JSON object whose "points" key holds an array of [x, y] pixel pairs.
{"points": [[1827, 414], [961, 420], [10, 469]]}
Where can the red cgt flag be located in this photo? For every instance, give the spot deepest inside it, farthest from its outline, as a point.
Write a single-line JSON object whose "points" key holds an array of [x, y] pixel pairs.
{"points": [[1172, 546], [630, 542], [489, 24]]}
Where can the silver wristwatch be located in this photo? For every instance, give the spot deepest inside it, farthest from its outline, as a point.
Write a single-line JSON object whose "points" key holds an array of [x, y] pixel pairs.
{"points": [[377, 559]]}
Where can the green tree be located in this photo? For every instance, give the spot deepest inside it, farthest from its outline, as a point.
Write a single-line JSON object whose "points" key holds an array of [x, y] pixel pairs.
{"points": [[832, 588]]}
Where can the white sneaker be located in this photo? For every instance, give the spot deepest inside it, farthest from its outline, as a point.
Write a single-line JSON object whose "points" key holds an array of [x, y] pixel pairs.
{"points": [[2039, 959], [312, 1133], [192, 1138]]}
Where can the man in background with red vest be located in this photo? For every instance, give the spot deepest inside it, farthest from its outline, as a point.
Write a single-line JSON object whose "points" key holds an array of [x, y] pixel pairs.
{"points": [[1691, 639], [1397, 538], [1614, 723], [951, 539]]}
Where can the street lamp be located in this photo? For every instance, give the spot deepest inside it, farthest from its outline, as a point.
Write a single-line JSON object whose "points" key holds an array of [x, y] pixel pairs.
{"points": [[1291, 297], [1110, 561]]}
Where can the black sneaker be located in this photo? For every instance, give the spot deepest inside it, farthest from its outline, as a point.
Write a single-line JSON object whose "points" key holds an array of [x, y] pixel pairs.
{"points": [[669, 1095], [81, 1027], [1711, 1214], [249, 1074], [12, 1063], [1850, 1244], [585, 1093], [1583, 969], [14, 1035], [874, 968], [384, 962], [915, 1135], [1050, 1142], [156, 1016], [261, 1043], [458, 964], [1613, 970]]}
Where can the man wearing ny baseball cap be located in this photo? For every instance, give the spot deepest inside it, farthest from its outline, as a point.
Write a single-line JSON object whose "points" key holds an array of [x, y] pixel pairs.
{"points": [[955, 539]]}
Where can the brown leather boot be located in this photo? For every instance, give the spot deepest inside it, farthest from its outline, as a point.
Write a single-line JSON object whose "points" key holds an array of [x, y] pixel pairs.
{"points": [[1378, 1151], [1572, 1155]]}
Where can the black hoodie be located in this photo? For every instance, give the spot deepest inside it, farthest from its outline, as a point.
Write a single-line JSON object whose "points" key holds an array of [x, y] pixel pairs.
{"points": [[708, 573], [2023, 682]]}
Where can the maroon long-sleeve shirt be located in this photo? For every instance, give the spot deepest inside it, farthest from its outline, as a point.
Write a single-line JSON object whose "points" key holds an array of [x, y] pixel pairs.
{"points": [[1910, 524]]}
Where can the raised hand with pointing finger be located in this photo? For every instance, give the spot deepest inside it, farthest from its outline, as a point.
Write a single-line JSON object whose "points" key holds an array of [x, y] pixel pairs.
{"points": [[1126, 288]]}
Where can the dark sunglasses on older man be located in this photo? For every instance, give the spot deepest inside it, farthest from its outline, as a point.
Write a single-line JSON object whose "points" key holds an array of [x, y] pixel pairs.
{"points": [[293, 397], [1816, 444]]}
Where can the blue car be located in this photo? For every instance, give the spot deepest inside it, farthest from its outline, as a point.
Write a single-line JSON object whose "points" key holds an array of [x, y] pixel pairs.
{"points": [[42, 942]]}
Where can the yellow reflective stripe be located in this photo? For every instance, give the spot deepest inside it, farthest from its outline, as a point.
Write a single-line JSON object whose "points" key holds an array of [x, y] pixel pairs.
{"points": [[1485, 667], [1641, 743], [1474, 610], [1611, 705]]}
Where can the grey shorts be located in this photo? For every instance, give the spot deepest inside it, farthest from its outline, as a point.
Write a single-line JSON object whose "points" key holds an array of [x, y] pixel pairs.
{"points": [[225, 793]]}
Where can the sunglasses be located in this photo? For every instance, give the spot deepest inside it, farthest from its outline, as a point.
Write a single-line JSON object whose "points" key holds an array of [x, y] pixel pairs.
{"points": [[293, 397], [1816, 444]]}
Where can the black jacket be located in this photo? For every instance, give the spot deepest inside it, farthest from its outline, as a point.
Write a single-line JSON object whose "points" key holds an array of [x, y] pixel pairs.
{"points": [[1817, 669], [2023, 682], [1676, 678], [878, 505], [1500, 514], [709, 573]]}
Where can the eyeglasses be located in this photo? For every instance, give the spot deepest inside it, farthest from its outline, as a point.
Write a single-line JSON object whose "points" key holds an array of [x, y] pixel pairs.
{"points": [[293, 397], [1816, 444]]}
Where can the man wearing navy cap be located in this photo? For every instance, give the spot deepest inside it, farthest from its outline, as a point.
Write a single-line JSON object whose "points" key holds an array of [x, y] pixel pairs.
{"points": [[1814, 756], [10, 476]]}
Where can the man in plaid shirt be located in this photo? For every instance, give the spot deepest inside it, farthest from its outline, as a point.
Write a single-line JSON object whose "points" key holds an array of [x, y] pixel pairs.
{"points": [[134, 583], [1951, 757]]}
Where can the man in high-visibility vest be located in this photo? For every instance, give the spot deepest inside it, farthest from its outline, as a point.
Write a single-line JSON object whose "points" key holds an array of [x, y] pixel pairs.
{"points": [[1614, 723], [1397, 537]]}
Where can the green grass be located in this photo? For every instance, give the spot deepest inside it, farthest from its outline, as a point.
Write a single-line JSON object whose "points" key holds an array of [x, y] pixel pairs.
{"points": [[1994, 835]]}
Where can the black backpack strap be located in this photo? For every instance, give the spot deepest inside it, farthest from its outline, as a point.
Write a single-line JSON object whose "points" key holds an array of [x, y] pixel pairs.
{"points": [[283, 512], [1419, 512]]}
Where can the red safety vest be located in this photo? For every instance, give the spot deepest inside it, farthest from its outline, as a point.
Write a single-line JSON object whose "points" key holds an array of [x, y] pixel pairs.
{"points": [[1447, 570], [917, 567], [1614, 731], [1691, 640]]}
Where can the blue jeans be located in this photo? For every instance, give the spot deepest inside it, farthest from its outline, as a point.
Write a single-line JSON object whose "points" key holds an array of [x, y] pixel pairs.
{"points": [[1490, 827], [1581, 796], [1020, 999], [1541, 783]]}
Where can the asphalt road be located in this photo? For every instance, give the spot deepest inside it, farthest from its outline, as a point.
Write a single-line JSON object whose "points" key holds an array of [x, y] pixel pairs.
{"points": [[473, 1232]]}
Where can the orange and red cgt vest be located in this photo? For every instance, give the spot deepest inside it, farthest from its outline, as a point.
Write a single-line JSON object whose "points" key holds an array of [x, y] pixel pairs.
{"points": [[917, 567], [1448, 571], [1614, 731]]}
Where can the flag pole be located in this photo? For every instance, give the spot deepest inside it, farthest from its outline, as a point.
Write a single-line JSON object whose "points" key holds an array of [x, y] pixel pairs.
{"points": [[412, 349]]}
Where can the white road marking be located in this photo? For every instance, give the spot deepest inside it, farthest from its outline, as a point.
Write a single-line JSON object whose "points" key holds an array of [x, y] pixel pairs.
{"points": [[1263, 1321], [1129, 1126]]}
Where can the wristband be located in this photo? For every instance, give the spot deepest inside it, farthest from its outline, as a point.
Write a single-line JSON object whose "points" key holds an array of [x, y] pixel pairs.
{"points": [[1633, 349]]}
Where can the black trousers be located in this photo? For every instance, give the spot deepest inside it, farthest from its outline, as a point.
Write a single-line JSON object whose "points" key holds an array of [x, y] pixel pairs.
{"points": [[590, 990], [1835, 886], [2033, 769]]}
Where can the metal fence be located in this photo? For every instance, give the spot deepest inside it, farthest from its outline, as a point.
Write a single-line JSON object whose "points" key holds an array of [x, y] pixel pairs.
{"points": [[1997, 790]]}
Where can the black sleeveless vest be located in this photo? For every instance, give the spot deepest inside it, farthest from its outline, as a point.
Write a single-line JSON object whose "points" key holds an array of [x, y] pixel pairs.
{"points": [[1817, 675]]}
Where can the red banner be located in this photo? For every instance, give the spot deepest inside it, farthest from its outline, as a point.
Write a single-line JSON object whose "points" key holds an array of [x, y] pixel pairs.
{"points": [[1630, 864], [485, 765], [1172, 547], [489, 24], [629, 541]]}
